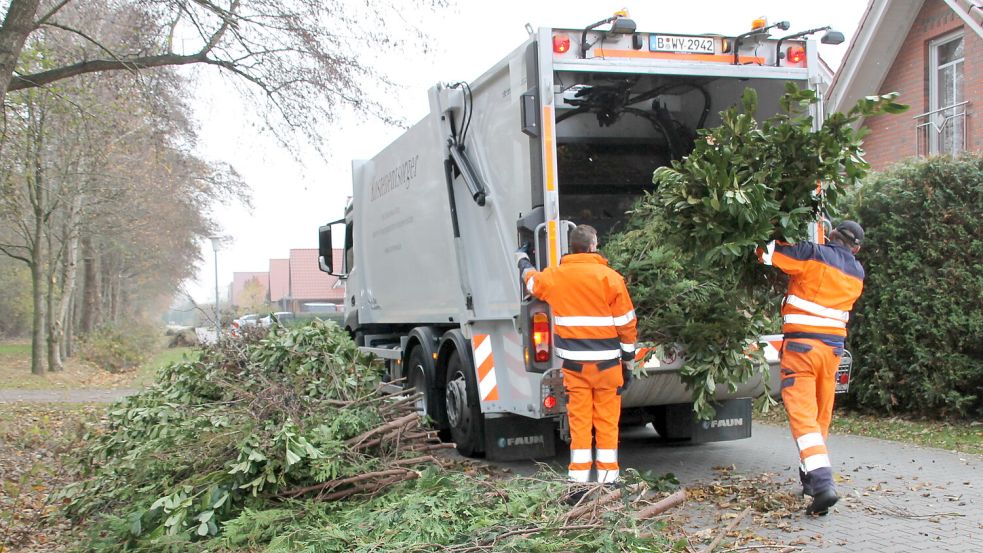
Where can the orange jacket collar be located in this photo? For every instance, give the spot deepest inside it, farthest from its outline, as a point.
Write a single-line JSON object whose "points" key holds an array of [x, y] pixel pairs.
{"points": [[584, 258]]}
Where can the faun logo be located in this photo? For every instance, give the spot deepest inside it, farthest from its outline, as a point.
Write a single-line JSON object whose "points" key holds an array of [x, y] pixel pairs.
{"points": [[722, 423], [521, 440], [399, 177]]}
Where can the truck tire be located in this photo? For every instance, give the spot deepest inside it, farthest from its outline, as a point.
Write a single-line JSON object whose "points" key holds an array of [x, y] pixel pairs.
{"points": [[463, 410], [420, 378]]}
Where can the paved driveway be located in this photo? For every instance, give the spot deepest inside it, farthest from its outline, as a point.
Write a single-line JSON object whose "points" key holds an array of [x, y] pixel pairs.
{"points": [[895, 497]]}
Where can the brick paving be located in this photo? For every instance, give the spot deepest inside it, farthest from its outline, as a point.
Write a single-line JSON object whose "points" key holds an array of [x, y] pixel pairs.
{"points": [[895, 497]]}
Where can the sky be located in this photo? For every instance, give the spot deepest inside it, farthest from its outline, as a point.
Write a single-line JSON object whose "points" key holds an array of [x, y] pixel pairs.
{"points": [[292, 198]]}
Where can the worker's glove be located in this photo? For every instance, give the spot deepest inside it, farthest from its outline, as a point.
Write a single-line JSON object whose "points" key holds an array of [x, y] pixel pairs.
{"points": [[627, 373], [522, 257]]}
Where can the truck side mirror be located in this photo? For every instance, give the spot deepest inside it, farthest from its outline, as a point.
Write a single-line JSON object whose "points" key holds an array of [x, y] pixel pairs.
{"points": [[325, 253], [325, 250]]}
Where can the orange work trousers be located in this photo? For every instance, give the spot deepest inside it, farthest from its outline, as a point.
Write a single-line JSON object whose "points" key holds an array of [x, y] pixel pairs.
{"points": [[594, 409], [808, 369]]}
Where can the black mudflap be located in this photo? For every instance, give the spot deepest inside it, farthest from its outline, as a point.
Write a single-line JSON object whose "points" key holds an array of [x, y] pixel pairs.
{"points": [[732, 422], [515, 438]]}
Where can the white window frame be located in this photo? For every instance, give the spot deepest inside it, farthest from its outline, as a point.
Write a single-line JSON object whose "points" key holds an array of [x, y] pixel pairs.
{"points": [[933, 87]]}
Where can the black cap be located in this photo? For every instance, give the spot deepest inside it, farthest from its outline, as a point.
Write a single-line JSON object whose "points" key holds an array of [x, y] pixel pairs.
{"points": [[852, 231]]}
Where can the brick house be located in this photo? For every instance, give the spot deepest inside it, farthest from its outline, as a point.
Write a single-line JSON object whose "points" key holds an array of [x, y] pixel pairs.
{"points": [[931, 52], [252, 283], [311, 290], [279, 283]]}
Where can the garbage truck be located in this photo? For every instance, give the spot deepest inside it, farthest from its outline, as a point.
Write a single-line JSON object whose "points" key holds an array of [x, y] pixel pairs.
{"points": [[567, 129]]}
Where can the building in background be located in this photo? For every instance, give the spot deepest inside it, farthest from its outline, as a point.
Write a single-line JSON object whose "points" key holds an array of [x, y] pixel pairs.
{"points": [[311, 290], [279, 283], [931, 51], [250, 290]]}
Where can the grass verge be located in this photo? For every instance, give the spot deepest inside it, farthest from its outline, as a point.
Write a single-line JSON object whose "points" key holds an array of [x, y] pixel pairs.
{"points": [[963, 436], [15, 371]]}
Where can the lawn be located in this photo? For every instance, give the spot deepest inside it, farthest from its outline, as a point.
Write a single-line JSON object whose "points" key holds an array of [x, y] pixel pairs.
{"points": [[15, 371], [964, 436]]}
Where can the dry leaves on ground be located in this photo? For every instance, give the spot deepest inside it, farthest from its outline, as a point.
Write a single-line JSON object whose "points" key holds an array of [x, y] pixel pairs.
{"points": [[36, 443]]}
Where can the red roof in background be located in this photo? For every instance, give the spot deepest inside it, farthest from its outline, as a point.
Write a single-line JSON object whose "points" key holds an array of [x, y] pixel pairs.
{"points": [[239, 281], [307, 282], [279, 279]]}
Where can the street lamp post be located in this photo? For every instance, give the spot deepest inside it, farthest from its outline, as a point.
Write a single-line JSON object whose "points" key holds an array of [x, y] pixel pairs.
{"points": [[218, 319]]}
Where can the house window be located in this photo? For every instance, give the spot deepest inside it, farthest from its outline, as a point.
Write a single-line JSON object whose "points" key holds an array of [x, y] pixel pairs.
{"points": [[948, 130]]}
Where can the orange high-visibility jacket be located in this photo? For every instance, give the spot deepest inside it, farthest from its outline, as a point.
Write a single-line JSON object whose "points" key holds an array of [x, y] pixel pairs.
{"points": [[826, 280], [593, 316]]}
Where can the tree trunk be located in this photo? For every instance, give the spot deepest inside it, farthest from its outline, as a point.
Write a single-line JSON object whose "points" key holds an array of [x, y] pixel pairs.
{"points": [[37, 328], [59, 316], [54, 355], [17, 24], [91, 290], [66, 344]]}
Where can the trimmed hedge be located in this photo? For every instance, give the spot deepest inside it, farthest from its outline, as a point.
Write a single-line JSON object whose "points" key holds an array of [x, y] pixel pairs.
{"points": [[918, 328]]}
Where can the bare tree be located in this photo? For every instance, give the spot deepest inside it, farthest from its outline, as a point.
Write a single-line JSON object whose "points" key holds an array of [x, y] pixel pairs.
{"points": [[298, 58]]}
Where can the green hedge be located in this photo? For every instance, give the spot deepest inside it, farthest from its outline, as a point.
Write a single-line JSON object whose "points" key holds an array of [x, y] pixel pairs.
{"points": [[918, 328]]}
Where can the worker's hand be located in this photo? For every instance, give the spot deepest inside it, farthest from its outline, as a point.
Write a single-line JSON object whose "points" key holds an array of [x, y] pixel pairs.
{"points": [[627, 368], [522, 253]]}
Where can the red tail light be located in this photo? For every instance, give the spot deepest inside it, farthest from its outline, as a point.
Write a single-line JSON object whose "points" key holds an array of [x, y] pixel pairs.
{"points": [[561, 44], [541, 337], [549, 402], [795, 54], [844, 378]]}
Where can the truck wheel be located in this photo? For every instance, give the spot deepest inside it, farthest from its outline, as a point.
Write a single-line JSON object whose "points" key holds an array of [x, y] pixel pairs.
{"points": [[420, 378], [463, 411]]}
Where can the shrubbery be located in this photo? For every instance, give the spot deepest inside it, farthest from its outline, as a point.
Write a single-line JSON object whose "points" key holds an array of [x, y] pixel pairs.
{"points": [[120, 348], [282, 440], [918, 328], [688, 254]]}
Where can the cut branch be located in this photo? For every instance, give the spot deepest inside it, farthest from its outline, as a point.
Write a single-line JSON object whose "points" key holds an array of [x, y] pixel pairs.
{"points": [[662, 506]]}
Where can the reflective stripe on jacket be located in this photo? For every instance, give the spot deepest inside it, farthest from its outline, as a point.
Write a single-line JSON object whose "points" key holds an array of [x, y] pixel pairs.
{"points": [[593, 317], [826, 280]]}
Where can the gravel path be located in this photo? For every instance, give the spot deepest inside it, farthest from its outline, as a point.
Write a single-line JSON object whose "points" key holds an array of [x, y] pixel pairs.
{"points": [[65, 396]]}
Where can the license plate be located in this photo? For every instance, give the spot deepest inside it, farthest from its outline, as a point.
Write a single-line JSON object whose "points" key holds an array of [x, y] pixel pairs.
{"points": [[681, 44]]}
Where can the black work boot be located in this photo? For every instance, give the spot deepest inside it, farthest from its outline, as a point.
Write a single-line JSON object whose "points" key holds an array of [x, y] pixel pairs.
{"points": [[806, 483], [822, 501]]}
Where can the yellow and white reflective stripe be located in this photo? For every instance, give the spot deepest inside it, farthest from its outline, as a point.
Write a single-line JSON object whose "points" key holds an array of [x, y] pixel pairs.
{"points": [[810, 320], [580, 456], [531, 284], [579, 476], [817, 461], [584, 321], [607, 455], [627, 348], [607, 476], [603, 355], [811, 439], [769, 252], [624, 319], [817, 309]]}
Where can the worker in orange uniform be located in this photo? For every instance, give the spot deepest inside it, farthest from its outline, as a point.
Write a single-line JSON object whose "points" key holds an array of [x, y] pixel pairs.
{"points": [[594, 325], [826, 280]]}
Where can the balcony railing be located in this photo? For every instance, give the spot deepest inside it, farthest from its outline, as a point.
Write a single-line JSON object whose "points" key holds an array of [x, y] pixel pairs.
{"points": [[941, 131]]}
